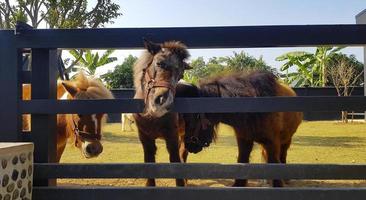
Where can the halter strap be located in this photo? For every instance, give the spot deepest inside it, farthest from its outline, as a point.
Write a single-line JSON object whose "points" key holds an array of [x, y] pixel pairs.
{"points": [[84, 135], [152, 83]]}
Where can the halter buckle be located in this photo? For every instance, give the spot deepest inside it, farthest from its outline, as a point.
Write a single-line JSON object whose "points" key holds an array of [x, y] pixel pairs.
{"points": [[151, 84]]}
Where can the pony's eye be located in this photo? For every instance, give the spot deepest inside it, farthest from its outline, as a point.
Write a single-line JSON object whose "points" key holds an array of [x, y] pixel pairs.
{"points": [[162, 65]]}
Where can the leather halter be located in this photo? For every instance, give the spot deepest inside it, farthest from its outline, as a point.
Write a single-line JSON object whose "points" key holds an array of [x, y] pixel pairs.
{"points": [[152, 83], [84, 136]]}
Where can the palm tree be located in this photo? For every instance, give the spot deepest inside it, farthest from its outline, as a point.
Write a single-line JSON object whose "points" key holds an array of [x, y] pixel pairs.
{"points": [[90, 61], [311, 67]]}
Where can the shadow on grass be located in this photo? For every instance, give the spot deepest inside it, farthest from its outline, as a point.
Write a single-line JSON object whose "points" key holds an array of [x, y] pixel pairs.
{"points": [[327, 183], [211, 183], [120, 138], [319, 141]]}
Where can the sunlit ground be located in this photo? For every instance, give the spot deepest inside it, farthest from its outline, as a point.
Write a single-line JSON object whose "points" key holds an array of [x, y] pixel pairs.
{"points": [[314, 142]]}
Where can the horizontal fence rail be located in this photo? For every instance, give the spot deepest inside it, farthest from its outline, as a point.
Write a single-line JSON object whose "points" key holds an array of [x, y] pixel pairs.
{"points": [[198, 105], [93, 193], [194, 37], [202, 171]]}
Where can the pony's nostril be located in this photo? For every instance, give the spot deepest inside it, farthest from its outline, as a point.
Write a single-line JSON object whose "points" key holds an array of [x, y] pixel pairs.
{"points": [[161, 99], [194, 139], [92, 149], [89, 149]]}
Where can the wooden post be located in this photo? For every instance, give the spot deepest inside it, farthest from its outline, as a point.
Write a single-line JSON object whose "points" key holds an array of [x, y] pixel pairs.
{"points": [[44, 86], [10, 117], [361, 19]]}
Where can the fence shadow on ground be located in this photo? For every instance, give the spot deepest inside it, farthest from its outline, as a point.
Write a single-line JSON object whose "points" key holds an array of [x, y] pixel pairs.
{"points": [[346, 142]]}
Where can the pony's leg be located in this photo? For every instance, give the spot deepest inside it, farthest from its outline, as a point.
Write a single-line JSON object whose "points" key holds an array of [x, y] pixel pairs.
{"points": [[284, 148], [244, 148], [60, 151], [273, 153], [172, 145], [149, 153], [123, 122], [130, 125], [283, 156], [182, 151]]}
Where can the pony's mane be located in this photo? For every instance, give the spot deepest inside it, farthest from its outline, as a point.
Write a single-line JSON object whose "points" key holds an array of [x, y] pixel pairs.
{"points": [[93, 87], [145, 59], [240, 84]]}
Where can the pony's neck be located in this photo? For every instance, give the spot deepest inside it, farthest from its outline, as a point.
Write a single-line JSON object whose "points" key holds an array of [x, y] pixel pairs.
{"points": [[139, 75]]}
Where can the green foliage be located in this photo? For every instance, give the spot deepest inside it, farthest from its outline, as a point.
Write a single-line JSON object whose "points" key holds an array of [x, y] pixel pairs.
{"points": [[74, 13], [90, 61], [59, 13], [219, 65], [122, 76], [310, 67], [242, 61]]}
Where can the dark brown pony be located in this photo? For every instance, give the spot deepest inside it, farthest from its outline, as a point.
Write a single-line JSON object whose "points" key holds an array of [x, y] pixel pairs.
{"points": [[272, 130], [156, 75]]}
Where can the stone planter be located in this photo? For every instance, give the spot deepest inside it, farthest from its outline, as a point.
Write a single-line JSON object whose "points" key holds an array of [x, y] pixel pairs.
{"points": [[16, 171]]}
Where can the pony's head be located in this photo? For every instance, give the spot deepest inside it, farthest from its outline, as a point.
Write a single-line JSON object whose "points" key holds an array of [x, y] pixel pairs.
{"points": [[86, 129], [157, 73], [199, 132]]}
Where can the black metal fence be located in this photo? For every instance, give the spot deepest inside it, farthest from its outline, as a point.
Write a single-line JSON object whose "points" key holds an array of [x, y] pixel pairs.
{"points": [[44, 107]]}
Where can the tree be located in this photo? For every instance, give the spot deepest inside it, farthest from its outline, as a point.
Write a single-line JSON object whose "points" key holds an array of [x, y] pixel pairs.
{"points": [[344, 75], [219, 65], [122, 76], [350, 61], [90, 61], [311, 67], [59, 13], [242, 61], [201, 69]]}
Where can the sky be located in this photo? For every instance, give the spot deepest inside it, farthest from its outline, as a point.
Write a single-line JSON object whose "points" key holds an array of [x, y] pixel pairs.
{"points": [[165, 13]]}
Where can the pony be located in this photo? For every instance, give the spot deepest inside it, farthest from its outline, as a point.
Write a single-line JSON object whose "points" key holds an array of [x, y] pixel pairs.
{"points": [[127, 120], [156, 76], [272, 130], [84, 130]]}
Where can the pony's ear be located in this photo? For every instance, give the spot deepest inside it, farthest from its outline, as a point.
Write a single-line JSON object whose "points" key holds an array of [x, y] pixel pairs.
{"points": [[186, 66], [151, 47], [70, 88]]}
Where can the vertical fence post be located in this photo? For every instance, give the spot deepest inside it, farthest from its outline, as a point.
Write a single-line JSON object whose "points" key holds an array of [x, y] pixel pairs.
{"points": [[10, 117], [44, 86]]}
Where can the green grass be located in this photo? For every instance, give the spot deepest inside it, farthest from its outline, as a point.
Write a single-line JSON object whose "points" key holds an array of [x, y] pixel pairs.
{"points": [[314, 142]]}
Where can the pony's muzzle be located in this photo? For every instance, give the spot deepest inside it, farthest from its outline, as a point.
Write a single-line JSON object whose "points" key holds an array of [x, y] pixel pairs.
{"points": [[161, 99], [194, 140], [193, 145], [93, 149]]}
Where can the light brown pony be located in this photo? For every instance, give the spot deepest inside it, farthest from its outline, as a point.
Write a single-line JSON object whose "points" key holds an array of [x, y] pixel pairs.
{"points": [[272, 130], [84, 130], [156, 75]]}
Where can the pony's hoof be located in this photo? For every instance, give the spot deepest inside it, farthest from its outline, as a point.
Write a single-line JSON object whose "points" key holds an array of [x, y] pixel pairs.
{"points": [[181, 182], [240, 183], [150, 183], [277, 183]]}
